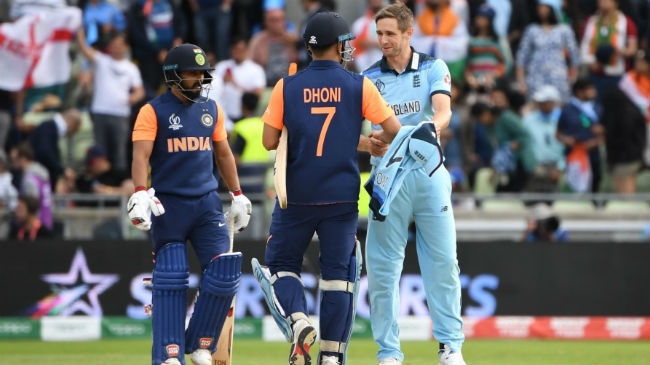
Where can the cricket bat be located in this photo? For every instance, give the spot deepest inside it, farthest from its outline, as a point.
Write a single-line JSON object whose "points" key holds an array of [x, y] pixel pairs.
{"points": [[223, 355], [280, 165]]}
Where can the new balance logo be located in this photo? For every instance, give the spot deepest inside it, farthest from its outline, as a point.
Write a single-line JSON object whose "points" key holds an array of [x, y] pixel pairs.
{"points": [[444, 209]]}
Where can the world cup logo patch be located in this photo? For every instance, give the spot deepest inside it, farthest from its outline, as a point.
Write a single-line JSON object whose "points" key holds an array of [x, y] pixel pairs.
{"points": [[207, 120], [175, 122]]}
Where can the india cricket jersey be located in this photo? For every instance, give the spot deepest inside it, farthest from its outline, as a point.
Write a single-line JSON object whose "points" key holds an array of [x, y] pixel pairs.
{"points": [[323, 107], [409, 93], [182, 160]]}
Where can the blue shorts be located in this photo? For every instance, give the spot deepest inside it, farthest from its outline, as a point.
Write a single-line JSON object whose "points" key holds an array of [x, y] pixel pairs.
{"points": [[198, 219], [292, 230]]}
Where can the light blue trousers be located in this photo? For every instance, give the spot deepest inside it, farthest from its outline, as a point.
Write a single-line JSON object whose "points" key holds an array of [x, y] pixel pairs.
{"points": [[428, 200]]}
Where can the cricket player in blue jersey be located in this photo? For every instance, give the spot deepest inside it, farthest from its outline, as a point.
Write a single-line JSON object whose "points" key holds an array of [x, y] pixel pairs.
{"points": [[181, 135], [323, 108], [418, 89]]}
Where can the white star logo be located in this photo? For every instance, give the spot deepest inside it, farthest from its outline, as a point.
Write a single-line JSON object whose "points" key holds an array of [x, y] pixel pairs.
{"points": [[71, 278]]}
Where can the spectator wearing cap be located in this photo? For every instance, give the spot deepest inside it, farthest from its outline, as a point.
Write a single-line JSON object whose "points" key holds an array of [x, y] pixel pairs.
{"points": [[27, 226], [117, 86], [240, 75], [101, 178], [543, 226], [273, 48], [609, 39], [8, 193], [45, 138], [541, 124], [582, 134], [486, 58], [626, 110], [545, 50]]}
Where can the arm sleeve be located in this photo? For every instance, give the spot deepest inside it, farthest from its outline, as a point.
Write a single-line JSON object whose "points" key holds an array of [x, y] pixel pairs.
{"points": [[219, 133], [146, 125], [572, 47], [374, 107], [274, 114], [525, 48], [439, 79]]}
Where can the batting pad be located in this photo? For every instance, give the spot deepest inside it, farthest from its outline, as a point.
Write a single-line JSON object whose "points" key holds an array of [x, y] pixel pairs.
{"points": [[218, 286], [170, 282]]}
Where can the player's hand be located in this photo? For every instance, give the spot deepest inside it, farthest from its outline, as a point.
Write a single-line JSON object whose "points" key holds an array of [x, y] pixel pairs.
{"points": [[378, 145], [140, 206], [240, 211]]}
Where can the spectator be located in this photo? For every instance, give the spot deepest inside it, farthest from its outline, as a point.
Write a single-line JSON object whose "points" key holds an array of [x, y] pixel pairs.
{"points": [[513, 157], [27, 225], [6, 104], [8, 193], [609, 38], [579, 130], [450, 136], [625, 112], [543, 51], [486, 59], [273, 48], [35, 183], [367, 49], [44, 141], [543, 226], [117, 87], [100, 20], [441, 33], [155, 26], [212, 21], [247, 134], [101, 178], [240, 75], [541, 124], [503, 12]]}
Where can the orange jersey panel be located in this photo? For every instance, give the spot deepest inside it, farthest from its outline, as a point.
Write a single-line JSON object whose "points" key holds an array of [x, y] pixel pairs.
{"points": [[146, 125], [219, 133], [274, 113], [374, 108]]}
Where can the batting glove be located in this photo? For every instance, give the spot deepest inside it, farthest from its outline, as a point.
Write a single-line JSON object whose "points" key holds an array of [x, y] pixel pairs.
{"points": [[240, 210], [140, 206]]}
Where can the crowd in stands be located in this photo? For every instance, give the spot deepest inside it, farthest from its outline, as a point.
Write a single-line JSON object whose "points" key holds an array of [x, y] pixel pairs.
{"points": [[548, 95]]}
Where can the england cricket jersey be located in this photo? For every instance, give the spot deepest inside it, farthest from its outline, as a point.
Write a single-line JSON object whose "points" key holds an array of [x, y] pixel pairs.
{"points": [[409, 93], [323, 107], [182, 160]]}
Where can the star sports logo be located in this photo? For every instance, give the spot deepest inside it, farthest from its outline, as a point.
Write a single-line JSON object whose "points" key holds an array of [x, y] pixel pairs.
{"points": [[74, 292]]}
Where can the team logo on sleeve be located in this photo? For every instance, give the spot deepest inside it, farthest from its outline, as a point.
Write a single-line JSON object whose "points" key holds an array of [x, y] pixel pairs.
{"points": [[380, 85], [207, 120], [175, 122]]}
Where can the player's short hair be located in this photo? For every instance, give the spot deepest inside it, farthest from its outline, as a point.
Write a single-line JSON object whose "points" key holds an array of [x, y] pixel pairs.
{"points": [[399, 12]]}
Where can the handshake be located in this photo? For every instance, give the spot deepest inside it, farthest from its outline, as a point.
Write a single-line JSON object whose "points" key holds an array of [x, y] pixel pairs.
{"points": [[144, 202]]}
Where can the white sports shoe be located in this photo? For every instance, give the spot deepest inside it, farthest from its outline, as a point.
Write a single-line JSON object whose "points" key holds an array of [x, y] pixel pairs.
{"points": [[390, 361], [201, 357], [329, 360], [171, 361], [304, 336], [447, 357]]}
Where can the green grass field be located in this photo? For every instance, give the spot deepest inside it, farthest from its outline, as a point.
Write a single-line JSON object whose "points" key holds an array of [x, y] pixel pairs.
{"points": [[362, 352]]}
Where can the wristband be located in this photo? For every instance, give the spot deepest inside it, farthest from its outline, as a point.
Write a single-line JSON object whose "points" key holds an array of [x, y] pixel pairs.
{"points": [[236, 192], [140, 188]]}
